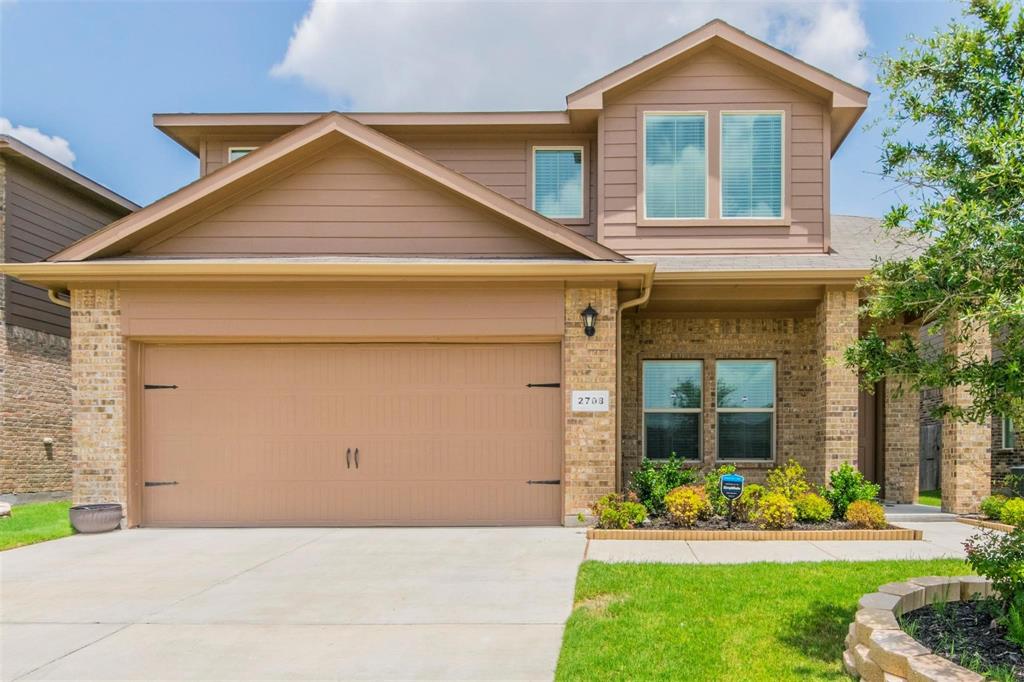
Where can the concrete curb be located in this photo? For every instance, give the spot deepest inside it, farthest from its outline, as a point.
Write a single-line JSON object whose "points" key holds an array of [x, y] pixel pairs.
{"points": [[878, 649], [795, 535], [991, 525]]}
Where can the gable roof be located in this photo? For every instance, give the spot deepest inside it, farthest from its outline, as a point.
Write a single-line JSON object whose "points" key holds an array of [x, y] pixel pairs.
{"points": [[848, 101], [218, 189], [14, 148]]}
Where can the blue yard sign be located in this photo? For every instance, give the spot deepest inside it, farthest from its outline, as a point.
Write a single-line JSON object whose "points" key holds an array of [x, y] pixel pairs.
{"points": [[731, 486]]}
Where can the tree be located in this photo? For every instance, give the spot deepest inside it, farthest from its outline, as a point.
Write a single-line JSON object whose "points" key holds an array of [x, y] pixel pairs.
{"points": [[956, 145]]}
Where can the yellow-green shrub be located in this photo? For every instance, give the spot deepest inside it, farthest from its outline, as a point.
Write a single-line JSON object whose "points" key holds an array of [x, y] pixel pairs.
{"points": [[775, 510], [866, 514], [789, 480], [992, 506], [1013, 512], [616, 511], [744, 508], [811, 508], [686, 505]]}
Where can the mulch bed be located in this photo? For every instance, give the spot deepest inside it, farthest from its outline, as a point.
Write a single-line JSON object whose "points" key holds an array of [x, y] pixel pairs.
{"points": [[965, 633], [720, 523]]}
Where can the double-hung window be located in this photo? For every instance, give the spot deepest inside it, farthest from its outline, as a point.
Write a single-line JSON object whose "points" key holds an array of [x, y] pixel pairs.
{"points": [[558, 182], [675, 165], [672, 408], [752, 164], [1009, 437], [745, 401]]}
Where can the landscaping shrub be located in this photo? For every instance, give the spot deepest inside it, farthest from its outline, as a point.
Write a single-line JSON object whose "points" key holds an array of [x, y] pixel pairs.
{"points": [[686, 505], [992, 506], [653, 480], [847, 485], [618, 511], [775, 511], [1013, 512], [811, 508], [744, 508], [866, 514], [789, 480], [999, 557], [719, 502]]}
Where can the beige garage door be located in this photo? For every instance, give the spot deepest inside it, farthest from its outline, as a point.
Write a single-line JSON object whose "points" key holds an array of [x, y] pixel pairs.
{"points": [[317, 434]]}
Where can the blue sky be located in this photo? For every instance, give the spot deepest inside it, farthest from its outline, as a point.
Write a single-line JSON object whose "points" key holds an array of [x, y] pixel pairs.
{"points": [[93, 73]]}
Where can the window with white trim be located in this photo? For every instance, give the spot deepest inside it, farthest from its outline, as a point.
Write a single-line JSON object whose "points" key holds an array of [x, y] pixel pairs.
{"points": [[745, 409], [675, 165], [235, 153], [558, 182], [672, 399], [1009, 435], [752, 164]]}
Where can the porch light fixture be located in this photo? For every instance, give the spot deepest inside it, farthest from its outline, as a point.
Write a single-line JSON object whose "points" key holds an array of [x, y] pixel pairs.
{"points": [[589, 318]]}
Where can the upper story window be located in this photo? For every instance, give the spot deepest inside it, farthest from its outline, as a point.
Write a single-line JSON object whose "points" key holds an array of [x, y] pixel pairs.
{"points": [[558, 182], [672, 408], [752, 159], [235, 153], [745, 405], [675, 165]]}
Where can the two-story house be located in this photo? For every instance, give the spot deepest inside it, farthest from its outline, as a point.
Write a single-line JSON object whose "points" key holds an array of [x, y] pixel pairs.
{"points": [[484, 318], [44, 207]]}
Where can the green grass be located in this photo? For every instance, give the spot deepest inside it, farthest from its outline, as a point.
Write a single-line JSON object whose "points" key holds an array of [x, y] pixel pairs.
{"points": [[721, 622], [932, 498], [31, 523]]}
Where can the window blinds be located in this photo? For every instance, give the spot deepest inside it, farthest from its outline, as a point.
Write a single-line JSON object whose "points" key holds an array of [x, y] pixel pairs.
{"points": [[752, 165], [675, 166]]}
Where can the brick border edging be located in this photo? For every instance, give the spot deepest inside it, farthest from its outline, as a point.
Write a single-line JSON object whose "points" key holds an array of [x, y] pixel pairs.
{"points": [[878, 649], [991, 525], [894, 533]]}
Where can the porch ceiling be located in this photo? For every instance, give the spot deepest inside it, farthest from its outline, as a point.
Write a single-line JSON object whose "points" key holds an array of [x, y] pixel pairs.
{"points": [[749, 299]]}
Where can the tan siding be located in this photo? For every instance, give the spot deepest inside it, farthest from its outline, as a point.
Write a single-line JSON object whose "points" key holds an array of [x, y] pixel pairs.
{"points": [[349, 202], [714, 79], [351, 311], [42, 218]]}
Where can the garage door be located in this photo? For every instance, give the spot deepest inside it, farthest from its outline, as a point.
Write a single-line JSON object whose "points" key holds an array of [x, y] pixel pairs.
{"points": [[318, 434]]}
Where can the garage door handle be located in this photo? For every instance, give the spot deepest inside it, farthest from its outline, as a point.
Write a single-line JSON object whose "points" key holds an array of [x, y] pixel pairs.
{"points": [[153, 484], [546, 482], [348, 458], [357, 458]]}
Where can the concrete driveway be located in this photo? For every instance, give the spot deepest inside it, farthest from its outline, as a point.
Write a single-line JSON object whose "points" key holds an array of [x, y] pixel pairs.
{"points": [[289, 603]]}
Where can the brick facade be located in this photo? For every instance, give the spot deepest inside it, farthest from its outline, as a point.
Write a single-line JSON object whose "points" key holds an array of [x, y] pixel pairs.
{"points": [[788, 341], [838, 394], [902, 455], [98, 377], [589, 364]]}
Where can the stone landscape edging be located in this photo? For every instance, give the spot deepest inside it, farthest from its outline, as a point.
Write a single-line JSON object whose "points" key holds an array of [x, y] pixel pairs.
{"points": [[877, 648], [894, 533], [991, 525]]}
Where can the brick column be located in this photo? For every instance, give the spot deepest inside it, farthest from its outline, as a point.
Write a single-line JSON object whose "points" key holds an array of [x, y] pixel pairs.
{"points": [[837, 386], [588, 363], [902, 432], [98, 378], [966, 447]]}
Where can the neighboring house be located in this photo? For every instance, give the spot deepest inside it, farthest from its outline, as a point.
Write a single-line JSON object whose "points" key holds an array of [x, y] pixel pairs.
{"points": [[382, 318], [44, 207]]}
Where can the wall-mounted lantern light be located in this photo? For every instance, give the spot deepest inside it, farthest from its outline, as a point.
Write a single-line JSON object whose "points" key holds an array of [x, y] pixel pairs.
{"points": [[589, 318]]}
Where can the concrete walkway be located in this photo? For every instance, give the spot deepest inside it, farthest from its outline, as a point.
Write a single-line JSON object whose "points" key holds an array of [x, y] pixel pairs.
{"points": [[941, 540], [300, 603]]}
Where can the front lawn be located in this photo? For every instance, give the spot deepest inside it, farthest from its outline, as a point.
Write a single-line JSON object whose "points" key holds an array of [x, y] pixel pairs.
{"points": [[31, 523], [721, 622], [932, 498]]}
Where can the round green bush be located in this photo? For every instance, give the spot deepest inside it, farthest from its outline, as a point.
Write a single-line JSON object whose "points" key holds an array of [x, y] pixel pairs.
{"points": [[811, 508], [1013, 512], [775, 511], [992, 506], [866, 514]]}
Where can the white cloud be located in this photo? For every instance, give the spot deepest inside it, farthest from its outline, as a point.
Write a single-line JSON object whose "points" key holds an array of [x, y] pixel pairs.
{"points": [[476, 55], [57, 148]]}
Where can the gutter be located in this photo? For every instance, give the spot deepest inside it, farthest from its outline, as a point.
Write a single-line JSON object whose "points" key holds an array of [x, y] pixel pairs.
{"points": [[54, 295]]}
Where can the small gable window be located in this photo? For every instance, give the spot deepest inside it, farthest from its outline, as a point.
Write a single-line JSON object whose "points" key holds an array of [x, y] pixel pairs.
{"points": [[675, 165], [558, 182], [235, 153], [752, 160]]}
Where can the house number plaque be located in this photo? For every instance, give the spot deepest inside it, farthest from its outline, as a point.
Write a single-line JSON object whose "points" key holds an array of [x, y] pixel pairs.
{"points": [[590, 401]]}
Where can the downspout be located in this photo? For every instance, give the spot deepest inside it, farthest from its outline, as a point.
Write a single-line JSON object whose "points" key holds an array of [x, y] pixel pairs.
{"points": [[54, 295], [645, 294]]}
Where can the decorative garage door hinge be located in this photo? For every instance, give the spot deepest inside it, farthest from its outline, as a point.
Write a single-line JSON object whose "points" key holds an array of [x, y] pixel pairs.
{"points": [[151, 386], [554, 385], [546, 482], [153, 484]]}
